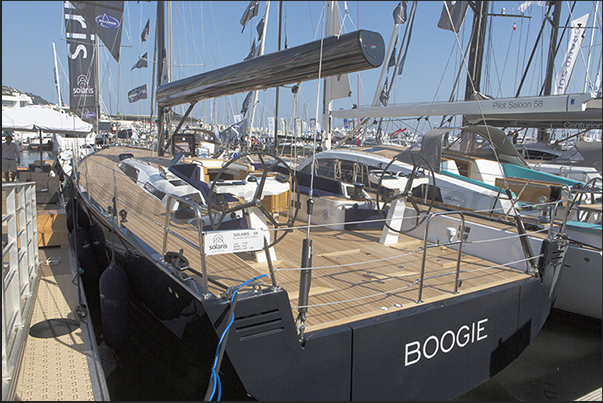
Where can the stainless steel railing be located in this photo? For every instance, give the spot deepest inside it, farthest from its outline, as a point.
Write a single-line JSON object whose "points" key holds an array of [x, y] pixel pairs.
{"points": [[458, 257]]}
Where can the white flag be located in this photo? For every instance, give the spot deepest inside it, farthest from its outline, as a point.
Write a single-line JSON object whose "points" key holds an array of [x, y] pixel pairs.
{"points": [[573, 48], [523, 6]]}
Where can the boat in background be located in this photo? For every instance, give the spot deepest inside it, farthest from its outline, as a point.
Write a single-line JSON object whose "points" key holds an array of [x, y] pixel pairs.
{"points": [[582, 162], [493, 180]]}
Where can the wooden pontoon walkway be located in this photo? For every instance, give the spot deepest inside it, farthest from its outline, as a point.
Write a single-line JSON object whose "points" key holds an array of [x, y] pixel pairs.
{"points": [[353, 276]]}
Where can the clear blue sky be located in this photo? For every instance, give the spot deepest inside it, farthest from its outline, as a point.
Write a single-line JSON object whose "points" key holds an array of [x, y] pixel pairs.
{"points": [[207, 35]]}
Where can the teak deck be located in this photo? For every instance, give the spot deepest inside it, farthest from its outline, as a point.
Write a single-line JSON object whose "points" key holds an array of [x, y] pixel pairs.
{"points": [[353, 275]]}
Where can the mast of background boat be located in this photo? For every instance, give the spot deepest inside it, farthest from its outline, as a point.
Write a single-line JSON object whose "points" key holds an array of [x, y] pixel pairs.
{"points": [[331, 15], [97, 95], [280, 24], [543, 135], [474, 64], [168, 69], [255, 93], [384, 67], [455, 86], [525, 73], [160, 40], [56, 76], [407, 32], [590, 47]]}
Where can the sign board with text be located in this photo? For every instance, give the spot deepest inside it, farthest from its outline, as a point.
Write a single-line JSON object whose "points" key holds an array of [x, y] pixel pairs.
{"points": [[233, 241]]}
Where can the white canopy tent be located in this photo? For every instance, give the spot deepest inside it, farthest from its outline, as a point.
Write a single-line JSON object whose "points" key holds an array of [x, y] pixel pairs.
{"points": [[39, 118], [42, 119]]}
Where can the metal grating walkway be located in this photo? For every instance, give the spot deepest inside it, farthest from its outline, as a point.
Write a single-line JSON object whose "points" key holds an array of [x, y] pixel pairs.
{"points": [[58, 368]]}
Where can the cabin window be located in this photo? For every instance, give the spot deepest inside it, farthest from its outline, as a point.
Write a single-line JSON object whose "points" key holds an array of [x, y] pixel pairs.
{"points": [[154, 191], [326, 168], [130, 171], [177, 182]]}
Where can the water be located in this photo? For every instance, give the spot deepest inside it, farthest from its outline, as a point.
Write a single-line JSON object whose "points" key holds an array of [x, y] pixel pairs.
{"points": [[30, 156], [564, 362]]}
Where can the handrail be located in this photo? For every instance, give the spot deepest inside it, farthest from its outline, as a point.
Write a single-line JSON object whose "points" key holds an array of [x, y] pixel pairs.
{"points": [[458, 258], [580, 192], [195, 207]]}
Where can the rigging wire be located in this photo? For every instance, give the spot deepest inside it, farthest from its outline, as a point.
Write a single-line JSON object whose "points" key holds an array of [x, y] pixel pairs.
{"points": [[481, 112]]}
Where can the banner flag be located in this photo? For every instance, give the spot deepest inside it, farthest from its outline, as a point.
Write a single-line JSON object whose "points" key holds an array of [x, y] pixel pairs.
{"points": [[105, 18], [250, 12], [82, 64], [571, 55], [252, 51], [142, 62], [260, 27], [145, 32], [246, 103], [384, 97], [400, 13], [137, 93], [453, 14]]}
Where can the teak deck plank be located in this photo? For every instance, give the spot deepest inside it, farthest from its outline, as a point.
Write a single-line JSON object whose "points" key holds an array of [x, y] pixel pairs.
{"points": [[353, 275]]}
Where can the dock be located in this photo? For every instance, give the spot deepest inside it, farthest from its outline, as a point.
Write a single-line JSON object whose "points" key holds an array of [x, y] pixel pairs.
{"points": [[48, 347]]}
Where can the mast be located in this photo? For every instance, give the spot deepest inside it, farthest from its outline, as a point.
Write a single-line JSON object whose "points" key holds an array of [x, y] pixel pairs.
{"points": [[543, 136], [255, 93], [590, 47], [56, 76], [160, 48], [548, 83], [97, 95], [476, 50], [384, 67], [330, 17], [474, 67], [169, 40], [280, 25]]}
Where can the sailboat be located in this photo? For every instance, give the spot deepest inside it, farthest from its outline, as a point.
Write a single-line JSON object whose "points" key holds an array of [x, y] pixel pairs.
{"points": [[282, 309], [579, 290]]}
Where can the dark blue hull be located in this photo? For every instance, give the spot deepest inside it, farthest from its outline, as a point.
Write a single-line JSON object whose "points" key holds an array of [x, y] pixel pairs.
{"points": [[433, 351]]}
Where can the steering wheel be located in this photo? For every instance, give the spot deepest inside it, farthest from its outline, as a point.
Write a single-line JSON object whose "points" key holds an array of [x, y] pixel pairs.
{"points": [[420, 165], [593, 188], [277, 169]]}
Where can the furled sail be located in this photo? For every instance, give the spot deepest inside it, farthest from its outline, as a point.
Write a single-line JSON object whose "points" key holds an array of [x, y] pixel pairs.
{"points": [[355, 51]]}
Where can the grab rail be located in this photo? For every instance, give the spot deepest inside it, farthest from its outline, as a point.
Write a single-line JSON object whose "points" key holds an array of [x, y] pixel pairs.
{"points": [[200, 234], [458, 257], [195, 207]]}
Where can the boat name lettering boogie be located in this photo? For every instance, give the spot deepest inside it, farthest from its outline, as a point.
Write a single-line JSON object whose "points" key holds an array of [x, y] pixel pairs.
{"points": [[414, 351]]}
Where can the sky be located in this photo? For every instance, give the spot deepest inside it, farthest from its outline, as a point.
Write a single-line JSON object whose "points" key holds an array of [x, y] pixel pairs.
{"points": [[207, 35]]}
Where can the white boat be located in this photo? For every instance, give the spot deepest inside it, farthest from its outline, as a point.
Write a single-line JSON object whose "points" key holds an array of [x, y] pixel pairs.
{"points": [[582, 162]]}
